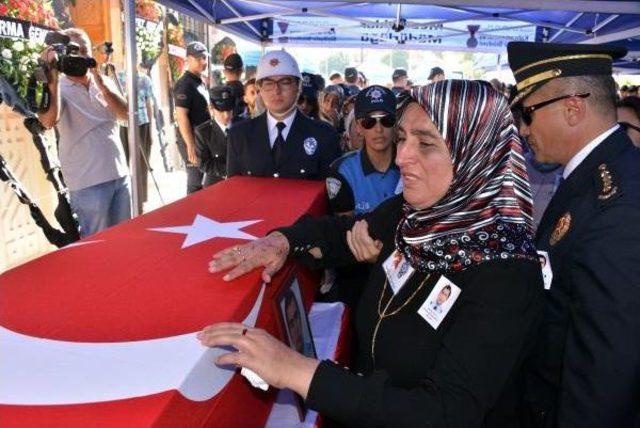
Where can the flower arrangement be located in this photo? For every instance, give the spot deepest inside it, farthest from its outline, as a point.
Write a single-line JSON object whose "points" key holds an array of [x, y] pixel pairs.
{"points": [[39, 12], [19, 58], [149, 10], [175, 36], [149, 42]]}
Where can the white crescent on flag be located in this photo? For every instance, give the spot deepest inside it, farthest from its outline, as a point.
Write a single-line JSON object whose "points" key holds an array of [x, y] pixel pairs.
{"points": [[38, 371]]}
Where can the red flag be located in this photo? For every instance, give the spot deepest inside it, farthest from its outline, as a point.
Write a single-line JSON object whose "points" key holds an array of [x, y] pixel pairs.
{"points": [[142, 282]]}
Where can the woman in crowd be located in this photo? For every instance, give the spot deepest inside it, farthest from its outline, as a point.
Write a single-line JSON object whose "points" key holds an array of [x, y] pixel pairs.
{"points": [[330, 102], [461, 228]]}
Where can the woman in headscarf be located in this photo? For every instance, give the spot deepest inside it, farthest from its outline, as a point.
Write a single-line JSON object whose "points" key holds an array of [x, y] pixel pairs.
{"points": [[463, 226]]}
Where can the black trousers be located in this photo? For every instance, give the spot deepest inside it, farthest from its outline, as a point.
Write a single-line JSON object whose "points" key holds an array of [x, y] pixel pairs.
{"points": [[194, 175]]}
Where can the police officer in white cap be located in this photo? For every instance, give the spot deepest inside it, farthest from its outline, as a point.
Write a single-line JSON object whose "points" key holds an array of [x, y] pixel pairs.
{"points": [[282, 142]]}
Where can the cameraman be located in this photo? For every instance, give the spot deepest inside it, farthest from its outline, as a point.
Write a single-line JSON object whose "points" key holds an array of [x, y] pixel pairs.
{"points": [[84, 108]]}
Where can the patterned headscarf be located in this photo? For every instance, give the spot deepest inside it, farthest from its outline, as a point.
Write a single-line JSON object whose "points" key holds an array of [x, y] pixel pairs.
{"points": [[487, 212]]}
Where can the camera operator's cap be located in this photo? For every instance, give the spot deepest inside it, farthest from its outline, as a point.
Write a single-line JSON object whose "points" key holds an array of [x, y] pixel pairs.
{"points": [[277, 63], [374, 98], [350, 72], [434, 72], [534, 64], [222, 98], [309, 85], [197, 50], [398, 73], [233, 62]]}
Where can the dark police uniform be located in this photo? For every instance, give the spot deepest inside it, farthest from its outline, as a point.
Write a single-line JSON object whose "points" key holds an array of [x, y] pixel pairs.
{"points": [[211, 139], [211, 147], [191, 93], [309, 149], [585, 368]]}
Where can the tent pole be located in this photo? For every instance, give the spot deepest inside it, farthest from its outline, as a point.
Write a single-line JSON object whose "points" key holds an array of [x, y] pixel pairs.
{"points": [[132, 99]]}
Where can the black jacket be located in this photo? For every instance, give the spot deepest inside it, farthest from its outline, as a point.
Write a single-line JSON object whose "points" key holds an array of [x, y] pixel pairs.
{"points": [[309, 149], [586, 367], [461, 375], [211, 148]]}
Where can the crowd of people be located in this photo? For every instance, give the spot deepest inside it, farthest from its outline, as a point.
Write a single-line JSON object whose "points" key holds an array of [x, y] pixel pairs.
{"points": [[485, 236]]}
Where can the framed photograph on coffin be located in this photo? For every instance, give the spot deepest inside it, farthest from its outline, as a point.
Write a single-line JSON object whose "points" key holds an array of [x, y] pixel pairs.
{"points": [[293, 320]]}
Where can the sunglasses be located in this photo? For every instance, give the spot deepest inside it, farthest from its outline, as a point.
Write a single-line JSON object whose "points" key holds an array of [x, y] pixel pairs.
{"points": [[627, 125], [387, 121], [527, 111]]}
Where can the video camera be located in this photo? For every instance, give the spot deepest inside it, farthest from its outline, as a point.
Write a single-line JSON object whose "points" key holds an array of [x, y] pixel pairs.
{"points": [[69, 61]]}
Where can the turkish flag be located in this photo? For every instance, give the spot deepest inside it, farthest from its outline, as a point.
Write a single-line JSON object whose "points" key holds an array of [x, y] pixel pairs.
{"points": [[101, 333]]}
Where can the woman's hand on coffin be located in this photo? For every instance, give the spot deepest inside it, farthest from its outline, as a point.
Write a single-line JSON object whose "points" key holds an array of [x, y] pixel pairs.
{"points": [[276, 363], [269, 252]]}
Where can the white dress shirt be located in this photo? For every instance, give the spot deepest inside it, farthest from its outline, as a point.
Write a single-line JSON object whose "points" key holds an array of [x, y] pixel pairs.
{"points": [[273, 129], [221, 126], [584, 152]]}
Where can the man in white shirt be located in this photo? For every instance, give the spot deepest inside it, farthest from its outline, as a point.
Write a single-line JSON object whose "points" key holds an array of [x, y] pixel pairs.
{"points": [[84, 107], [584, 367]]}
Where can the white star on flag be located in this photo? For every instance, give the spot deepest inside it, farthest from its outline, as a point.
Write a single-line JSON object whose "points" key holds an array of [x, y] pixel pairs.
{"points": [[204, 228]]}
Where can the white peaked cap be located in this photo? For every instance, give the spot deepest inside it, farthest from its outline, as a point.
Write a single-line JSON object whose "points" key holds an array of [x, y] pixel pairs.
{"points": [[277, 63]]}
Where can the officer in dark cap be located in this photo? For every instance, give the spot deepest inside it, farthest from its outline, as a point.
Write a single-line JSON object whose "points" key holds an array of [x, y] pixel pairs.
{"points": [[191, 100], [585, 367], [232, 69], [281, 142], [308, 100], [351, 81], [211, 136], [360, 180], [399, 79]]}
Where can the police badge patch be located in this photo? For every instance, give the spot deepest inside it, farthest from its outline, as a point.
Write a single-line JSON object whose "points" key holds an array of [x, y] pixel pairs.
{"points": [[310, 145], [375, 95], [333, 187]]}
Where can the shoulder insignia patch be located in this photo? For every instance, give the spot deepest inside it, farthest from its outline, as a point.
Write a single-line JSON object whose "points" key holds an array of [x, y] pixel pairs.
{"points": [[333, 187]]}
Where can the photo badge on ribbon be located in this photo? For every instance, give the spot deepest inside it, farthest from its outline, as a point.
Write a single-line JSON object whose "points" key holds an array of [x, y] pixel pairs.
{"points": [[398, 270], [310, 145], [439, 302], [545, 265]]}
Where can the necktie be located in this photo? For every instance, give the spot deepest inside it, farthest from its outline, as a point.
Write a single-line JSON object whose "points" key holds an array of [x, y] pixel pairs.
{"points": [[278, 145]]}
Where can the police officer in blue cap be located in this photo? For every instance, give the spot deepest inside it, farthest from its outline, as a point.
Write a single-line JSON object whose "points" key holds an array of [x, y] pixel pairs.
{"points": [[360, 180], [585, 367]]}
